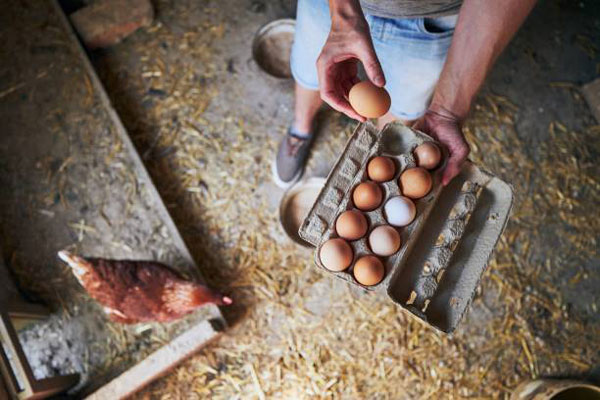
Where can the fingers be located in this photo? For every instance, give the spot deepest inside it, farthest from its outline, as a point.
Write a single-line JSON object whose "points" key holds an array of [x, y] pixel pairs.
{"points": [[448, 132], [340, 104], [366, 55], [346, 85], [452, 169], [333, 91], [458, 155]]}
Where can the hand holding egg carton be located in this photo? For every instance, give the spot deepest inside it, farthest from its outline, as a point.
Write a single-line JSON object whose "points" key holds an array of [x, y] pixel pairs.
{"points": [[389, 197], [369, 217]]}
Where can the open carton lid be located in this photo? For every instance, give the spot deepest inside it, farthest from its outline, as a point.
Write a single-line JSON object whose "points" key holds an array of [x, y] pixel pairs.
{"points": [[444, 251]]}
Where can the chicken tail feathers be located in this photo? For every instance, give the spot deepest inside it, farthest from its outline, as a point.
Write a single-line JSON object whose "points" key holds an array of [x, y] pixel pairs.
{"points": [[186, 297], [79, 265]]}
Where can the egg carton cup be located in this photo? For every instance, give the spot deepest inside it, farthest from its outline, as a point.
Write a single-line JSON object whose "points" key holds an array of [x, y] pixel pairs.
{"points": [[444, 251], [446, 243]]}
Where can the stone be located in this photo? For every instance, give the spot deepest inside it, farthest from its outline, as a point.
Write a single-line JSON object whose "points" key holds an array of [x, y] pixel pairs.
{"points": [[106, 22]]}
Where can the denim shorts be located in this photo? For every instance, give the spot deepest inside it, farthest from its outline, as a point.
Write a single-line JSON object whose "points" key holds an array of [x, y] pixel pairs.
{"points": [[411, 51]]}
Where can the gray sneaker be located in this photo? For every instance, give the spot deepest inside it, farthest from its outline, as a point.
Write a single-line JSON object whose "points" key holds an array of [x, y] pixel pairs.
{"points": [[288, 166]]}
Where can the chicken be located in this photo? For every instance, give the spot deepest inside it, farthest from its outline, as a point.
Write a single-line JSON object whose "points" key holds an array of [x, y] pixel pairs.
{"points": [[139, 291]]}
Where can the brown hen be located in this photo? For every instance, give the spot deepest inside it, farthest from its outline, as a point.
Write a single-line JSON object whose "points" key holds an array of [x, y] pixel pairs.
{"points": [[139, 291]]}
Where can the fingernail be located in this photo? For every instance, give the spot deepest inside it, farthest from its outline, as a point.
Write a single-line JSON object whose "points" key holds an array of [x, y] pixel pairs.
{"points": [[379, 80]]}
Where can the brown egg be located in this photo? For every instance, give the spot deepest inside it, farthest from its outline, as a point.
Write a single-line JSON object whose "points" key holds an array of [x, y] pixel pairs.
{"points": [[384, 240], [351, 225], [369, 100], [428, 155], [415, 182], [336, 254], [368, 270], [367, 196], [381, 169]]}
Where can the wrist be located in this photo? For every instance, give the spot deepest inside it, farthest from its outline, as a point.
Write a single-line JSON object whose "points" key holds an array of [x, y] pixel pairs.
{"points": [[346, 14], [451, 107]]}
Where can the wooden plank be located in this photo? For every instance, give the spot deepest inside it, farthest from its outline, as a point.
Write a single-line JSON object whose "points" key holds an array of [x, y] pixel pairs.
{"points": [[9, 381], [591, 92], [47, 387], [183, 346], [159, 362], [23, 313], [11, 341], [140, 169]]}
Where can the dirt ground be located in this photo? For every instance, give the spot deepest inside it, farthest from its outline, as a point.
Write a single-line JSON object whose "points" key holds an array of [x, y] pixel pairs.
{"points": [[207, 122]]}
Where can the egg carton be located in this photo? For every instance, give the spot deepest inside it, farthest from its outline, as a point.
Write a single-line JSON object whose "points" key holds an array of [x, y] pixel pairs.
{"points": [[444, 251], [446, 243]]}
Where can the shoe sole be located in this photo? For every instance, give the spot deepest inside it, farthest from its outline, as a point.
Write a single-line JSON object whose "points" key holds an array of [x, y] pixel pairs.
{"points": [[279, 182]]}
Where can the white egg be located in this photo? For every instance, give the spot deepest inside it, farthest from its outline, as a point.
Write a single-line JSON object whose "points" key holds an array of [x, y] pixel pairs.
{"points": [[400, 211]]}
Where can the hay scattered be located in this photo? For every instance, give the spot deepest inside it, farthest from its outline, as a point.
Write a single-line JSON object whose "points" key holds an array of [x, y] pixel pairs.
{"points": [[302, 334], [359, 346]]}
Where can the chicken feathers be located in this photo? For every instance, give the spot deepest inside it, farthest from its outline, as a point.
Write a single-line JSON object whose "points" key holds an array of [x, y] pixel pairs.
{"points": [[139, 291]]}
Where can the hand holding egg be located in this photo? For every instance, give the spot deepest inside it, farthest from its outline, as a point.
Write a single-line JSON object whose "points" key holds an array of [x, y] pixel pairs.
{"points": [[346, 45], [446, 128], [386, 196], [428, 155]]}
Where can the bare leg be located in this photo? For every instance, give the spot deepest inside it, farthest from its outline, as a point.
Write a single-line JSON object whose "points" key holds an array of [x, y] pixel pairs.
{"points": [[307, 103]]}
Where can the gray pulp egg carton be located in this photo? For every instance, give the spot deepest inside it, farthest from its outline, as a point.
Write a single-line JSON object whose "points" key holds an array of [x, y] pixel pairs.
{"points": [[444, 251]]}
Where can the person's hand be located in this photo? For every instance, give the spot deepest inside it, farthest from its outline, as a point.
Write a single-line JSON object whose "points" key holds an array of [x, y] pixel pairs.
{"points": [[349, 41], [447, 129]]}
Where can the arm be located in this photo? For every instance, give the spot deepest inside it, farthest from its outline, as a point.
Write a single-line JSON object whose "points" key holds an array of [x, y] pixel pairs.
{"points": [[483, 30], [349, 41]]}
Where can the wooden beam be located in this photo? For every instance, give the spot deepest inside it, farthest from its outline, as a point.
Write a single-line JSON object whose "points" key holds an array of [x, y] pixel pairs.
{"points": [[47, 387], [160, 362], [9, 382], [9, 338]]}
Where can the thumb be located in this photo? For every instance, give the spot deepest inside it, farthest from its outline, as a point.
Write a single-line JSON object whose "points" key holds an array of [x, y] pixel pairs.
{"points": [[452, 169], [371, 64]]}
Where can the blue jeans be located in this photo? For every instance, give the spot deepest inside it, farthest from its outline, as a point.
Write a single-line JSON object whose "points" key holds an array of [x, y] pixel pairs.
{"points": [[411, 51]]}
